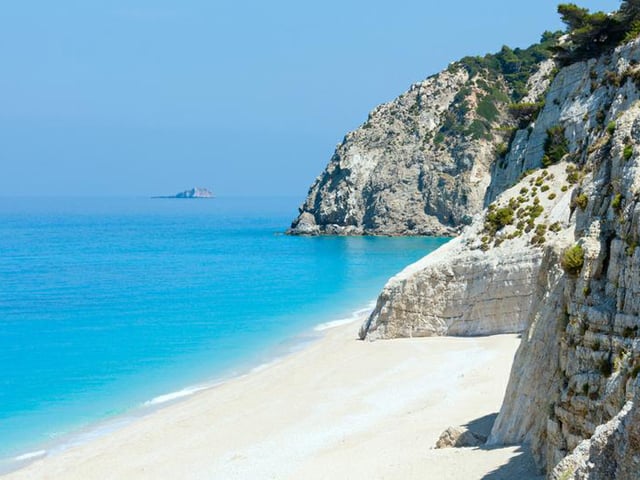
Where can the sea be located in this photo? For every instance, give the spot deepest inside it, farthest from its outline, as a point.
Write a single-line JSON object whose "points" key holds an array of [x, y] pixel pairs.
{"points": [[111, 307]]}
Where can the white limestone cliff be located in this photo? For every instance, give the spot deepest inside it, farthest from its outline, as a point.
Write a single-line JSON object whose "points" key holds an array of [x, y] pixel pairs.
{"points": [[421, 164], [579, 359]]}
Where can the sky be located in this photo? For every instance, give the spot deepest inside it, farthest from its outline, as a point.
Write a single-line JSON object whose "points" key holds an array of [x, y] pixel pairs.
{"points": [[247, 98]]}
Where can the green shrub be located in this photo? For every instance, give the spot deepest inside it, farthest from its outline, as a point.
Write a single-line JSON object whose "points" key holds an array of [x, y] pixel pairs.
{"points": [[574, 177], [611, 127], [502, 149], [487, 109], [573, 260], [581, 201], [524, 113], [592, 34], [631, 247], [551, 196], [514, 65], [538, 239], [536, 211], [616, 202], [606, 367], [627, 153], [499, 218], [613, 79], [555, 227], [478, 129], [556, 146]]}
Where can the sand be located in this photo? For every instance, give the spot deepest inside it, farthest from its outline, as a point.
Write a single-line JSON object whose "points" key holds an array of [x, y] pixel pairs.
{"points": [[339, 409]]}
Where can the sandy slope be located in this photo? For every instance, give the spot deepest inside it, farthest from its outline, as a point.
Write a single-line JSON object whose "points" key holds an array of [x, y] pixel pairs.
{"points": [[340, 409]]}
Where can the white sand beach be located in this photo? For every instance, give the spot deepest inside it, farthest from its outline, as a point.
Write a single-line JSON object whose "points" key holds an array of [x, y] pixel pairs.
{"points": [[339, 409]]}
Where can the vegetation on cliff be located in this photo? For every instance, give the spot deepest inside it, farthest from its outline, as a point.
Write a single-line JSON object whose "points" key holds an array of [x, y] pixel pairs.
{"points": [[515, 66], [592, 34]]}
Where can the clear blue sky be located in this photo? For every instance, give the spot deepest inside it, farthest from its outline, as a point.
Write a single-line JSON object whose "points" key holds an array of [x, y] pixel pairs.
{"points": [[142, 97]]}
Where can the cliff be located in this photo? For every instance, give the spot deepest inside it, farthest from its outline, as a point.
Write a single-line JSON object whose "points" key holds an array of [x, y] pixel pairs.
{"points": [[555, 255], [547, 196], [421, 164]]}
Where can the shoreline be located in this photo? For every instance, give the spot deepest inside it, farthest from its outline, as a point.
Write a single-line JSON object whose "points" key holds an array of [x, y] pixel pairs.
{"points": [[94, 430], [337, 408]]}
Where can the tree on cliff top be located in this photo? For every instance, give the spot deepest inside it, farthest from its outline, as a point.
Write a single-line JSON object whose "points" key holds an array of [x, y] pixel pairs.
{"points": [[591, 34]]}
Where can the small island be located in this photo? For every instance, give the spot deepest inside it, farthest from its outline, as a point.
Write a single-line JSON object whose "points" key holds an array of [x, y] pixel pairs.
{"points": [[196, 192]]}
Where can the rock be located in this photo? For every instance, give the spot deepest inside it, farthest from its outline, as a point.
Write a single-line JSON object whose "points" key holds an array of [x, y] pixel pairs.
{"points": [[470, 287], [575, 366], [573, 390], [459, 437], [612, 452], [196, 192], [398, 174], [573, 387]]}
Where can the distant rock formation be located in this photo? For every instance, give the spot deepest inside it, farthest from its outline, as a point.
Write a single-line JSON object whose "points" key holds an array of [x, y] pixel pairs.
{"points": [[196, 192]]}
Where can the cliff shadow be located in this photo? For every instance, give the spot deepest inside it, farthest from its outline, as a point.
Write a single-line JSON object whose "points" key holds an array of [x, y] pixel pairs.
{"points": [[483, 425], [521, 466]]}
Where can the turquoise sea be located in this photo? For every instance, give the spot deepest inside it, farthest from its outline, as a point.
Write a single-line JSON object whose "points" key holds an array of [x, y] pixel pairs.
{"points": [[109, 306]]}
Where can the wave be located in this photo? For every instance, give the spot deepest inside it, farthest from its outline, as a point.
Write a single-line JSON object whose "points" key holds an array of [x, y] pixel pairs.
{"points": [[30, 455], [358, 315], [169, 397]]}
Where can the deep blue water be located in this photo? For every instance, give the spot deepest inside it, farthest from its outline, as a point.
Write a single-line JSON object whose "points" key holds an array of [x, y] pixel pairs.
{"points": [[108, 303]]}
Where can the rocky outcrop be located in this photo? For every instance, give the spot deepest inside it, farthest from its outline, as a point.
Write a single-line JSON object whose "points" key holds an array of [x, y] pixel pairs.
{"points": [[574, 370], [470, 287], [612, 452], [456, 437], [196, 192], [419, 165], [565, 268]]}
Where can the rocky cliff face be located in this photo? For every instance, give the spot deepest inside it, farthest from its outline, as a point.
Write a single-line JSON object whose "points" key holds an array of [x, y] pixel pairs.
{"points": [[612, 451], [472, 286], [419, 165], [582, 353], [562, 261]]}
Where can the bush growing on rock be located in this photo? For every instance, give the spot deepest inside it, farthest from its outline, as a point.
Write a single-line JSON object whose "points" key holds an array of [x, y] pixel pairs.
{"points": [[556, 146], [573, 260], [525, 112], [616, 202], [581, 201], [499, 218]]}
